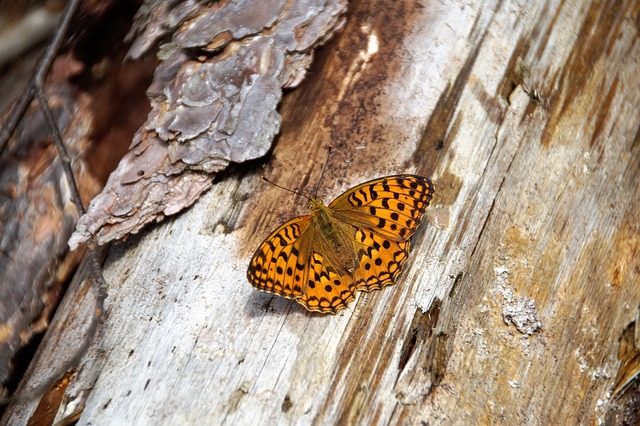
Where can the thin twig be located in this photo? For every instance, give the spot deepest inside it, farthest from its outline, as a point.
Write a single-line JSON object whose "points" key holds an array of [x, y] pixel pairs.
{"points": [[35, 88], [75, 194], [62, 151], [92, 248], [38, 77]]}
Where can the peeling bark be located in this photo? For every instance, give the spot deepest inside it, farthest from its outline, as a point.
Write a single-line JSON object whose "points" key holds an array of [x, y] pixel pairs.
{"points": [[214, 101]]}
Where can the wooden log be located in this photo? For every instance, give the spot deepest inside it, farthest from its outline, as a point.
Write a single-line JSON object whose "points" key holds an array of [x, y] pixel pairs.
{"points": [[517, 291]]}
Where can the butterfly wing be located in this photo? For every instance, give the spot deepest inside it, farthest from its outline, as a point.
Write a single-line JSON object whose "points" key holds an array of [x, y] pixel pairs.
{"points": [[385, 213], [290, 262], [280, 263], [380, 260], [391, 206], [327, 289]]}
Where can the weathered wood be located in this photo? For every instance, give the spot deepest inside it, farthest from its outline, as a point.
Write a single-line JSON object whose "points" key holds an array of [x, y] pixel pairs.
{"points": [[517, 290]]}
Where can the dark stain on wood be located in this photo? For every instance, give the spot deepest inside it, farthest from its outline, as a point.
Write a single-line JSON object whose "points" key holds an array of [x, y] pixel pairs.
{"points": [[420, 333], [636, 141], [601, 110], [597, 36], [456, 283], [442, 125], [287, 404], [229, 217], [547, 36], [494, 109], [448, 188], [517, 72], [475, 34]]}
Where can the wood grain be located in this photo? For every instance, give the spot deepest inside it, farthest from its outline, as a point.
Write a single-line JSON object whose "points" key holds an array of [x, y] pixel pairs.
{"points": [[517, 291]]}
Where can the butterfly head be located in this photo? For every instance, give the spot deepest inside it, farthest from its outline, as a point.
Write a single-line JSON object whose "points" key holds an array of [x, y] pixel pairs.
{"points": [[315, 203]]}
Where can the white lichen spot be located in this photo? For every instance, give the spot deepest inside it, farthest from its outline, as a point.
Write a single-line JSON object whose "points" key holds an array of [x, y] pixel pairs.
{"points": [[581, 361], [501, 270], [521, 312], [601, 373]]}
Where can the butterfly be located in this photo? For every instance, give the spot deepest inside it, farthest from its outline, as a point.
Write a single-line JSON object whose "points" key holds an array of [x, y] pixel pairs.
{"points": [[358, 242]]}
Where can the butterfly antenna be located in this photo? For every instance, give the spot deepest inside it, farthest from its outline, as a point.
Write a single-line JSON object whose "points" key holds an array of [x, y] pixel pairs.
{"points": [[282, 187], [315, 193]]}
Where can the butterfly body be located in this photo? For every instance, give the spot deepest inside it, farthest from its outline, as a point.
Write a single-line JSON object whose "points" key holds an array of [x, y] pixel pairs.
{"points": [[321, 216], [359, 242], [337, 238]]}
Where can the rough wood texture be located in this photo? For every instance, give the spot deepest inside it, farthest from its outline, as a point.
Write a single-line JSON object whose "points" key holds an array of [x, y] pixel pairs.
{"points": [[518, 290]]}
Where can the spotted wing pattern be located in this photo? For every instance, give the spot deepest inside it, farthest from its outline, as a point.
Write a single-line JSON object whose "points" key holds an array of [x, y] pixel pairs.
{"points": [[392, 206], [327, 291], [376, 220], [279, 265], [380, 260]]}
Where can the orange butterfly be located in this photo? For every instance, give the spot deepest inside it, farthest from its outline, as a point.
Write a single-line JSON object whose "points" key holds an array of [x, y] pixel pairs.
{"points": [[359, 242]]}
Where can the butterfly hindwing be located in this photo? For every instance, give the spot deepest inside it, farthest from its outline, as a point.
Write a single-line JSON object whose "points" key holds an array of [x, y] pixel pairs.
{"points": [[380, 260], [326, 290]]}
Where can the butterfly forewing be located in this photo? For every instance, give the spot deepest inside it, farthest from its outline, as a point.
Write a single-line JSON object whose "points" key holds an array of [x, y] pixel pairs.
{"points": [[392, 206], [279, 265]]}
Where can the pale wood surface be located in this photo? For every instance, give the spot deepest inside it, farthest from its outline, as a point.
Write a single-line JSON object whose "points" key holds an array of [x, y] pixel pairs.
{"points": [[532, 244]]}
